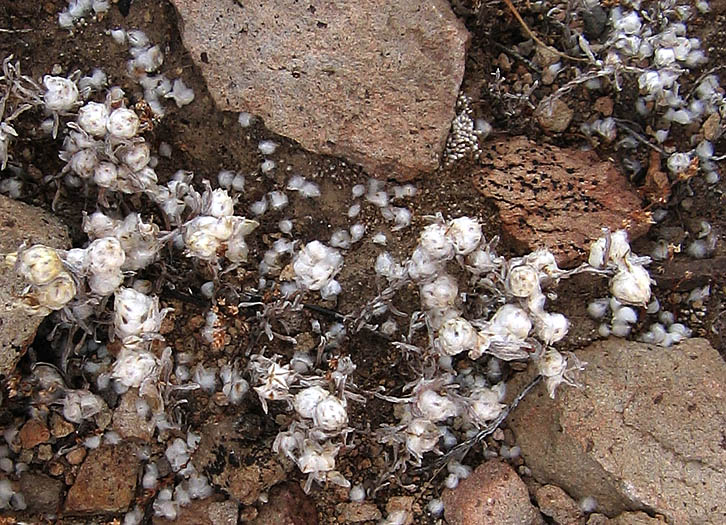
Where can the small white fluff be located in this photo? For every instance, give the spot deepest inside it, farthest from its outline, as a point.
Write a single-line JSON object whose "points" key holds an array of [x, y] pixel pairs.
{"points": [[278, 200], [245, 119], [259, 207], [357, 231], [267, 147], [268, 165], [354, 210]]}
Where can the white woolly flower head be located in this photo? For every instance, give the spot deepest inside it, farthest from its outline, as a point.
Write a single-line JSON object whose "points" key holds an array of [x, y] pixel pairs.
{"points": [[92, 118], [434, 241], [218, 204], [552, 327], [123, 123], [105, 256], [435, 407], [316, 264], [39, 264], [422, 436], [61, 94], [631, 285], [200, 239], [465, 234], [484, 405], [523, 281], [307, 399], [611, 247], [511, 321], [440, 294], [133, 367], [57, 293], [136, 314], [316, 457], [273, 380], [456, 335], [330, 414]]}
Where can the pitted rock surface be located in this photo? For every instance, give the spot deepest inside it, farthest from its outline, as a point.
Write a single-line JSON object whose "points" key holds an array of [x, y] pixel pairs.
{"points": [[556, 198], [373, 82]]}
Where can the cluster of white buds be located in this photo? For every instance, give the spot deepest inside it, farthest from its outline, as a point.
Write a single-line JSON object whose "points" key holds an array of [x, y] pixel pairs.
{"points": [[217, 232], [631, 282], [51, 287], [463, 139], [137, 320], [103, 146], [312, 457], [315, 266], [327, 412], [139, 240]]}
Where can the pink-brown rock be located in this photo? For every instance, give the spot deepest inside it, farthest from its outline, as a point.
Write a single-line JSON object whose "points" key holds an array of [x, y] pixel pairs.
{"points": [[373, 82], [493, 495], [105, 482], [645, 431], [128, 422], [555, 503], [556, 198]]}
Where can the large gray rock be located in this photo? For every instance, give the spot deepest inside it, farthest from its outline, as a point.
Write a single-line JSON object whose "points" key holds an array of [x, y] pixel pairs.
{"points": [[21, 223], [646, 431], [373, 82]]}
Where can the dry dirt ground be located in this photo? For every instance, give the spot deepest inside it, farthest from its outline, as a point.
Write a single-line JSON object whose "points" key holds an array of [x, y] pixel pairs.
{"points": [[205, 140]]}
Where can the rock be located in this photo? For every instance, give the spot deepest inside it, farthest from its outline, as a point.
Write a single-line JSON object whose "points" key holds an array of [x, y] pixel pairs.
{"points": [[59, 427], [204, 512], [554, 116], [355, 512], [375, 83], [636, 518], [76, 456], [492, 495], [288, 505], [711, 127], [398, 504], [555, 503], [558, 198], [644, 432], [128, 422], [21, 223], [604, 105], [42, 493], [106, 481], [34, 432], [242, 469]]}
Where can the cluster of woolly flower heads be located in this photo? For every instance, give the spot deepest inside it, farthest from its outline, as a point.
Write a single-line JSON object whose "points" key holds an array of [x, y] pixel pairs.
{"points": [[51, 286], [217, 231], [631, 282]]}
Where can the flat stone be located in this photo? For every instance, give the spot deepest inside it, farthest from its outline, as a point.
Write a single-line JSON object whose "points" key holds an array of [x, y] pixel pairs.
{"points": [[555, 116], [636, 518], [373, 82], [128, 422], [644, 433], [288, 505], [106, 481], [34, 432], [42, 493], [204, 512], [357, 511], [492, 495], [555, 503], [556, 198], [19, 224], [59, 427]]}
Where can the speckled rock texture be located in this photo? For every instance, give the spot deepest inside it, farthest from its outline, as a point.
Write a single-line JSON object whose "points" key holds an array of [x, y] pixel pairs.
{"points": [[556, 197], [372, 82], [645, 432], [493, 495], [20, 223]]}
